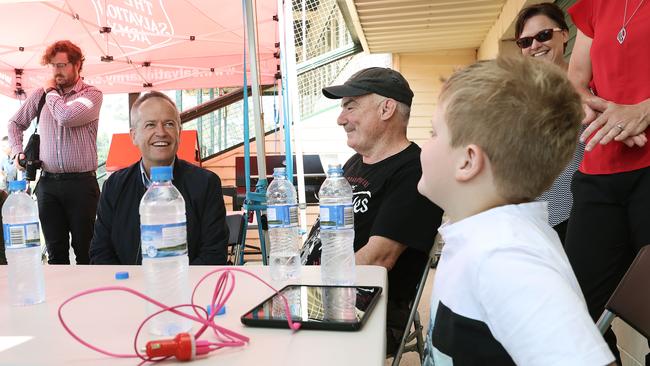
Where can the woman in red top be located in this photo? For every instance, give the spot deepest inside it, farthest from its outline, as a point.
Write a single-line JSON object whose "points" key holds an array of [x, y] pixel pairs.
{"points": [[611, 190]]}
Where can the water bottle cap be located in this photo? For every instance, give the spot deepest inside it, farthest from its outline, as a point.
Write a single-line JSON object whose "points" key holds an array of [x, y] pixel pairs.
{"points": [[17, 185], [334, 168], [220, 312], [121, 275], [280, 172], [161, 173]]}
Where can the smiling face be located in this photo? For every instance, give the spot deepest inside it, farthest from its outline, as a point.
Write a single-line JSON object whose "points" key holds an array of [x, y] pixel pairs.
{"points": [[67, 75], [551, 50], [156, 132], [360, 117]]}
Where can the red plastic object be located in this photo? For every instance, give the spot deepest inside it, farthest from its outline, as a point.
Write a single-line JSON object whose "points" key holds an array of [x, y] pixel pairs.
{"points": [[182, 347], [123, 153]]}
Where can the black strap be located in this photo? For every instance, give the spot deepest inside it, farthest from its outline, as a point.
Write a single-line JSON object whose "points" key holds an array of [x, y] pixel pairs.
{"points": [[41, 103]]}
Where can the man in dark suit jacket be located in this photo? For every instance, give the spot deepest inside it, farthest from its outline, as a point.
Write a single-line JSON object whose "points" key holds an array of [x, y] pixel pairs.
{"points": [[155, 130]]}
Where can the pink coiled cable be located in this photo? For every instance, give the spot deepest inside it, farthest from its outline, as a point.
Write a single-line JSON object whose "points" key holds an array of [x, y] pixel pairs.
{"points": [[222, 291]]}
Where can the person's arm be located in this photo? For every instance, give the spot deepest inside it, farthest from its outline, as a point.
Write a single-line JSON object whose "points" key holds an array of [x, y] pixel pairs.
{"points": [[19, 123], [380, 251], [405, 219], [82, 109], [214, 231], [580, 73], [607, 121], [532, 309], [101, 246]]}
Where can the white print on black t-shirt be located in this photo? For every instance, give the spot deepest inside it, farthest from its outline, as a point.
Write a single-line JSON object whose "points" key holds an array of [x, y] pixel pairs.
{"points": [[360, 201]]}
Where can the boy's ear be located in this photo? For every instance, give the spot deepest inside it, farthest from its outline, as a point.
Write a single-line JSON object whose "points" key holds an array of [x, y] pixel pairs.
{"points": [[471, 164]]}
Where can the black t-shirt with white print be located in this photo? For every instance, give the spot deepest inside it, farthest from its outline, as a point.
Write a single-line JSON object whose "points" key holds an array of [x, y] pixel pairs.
{"points": [[387, 203]]}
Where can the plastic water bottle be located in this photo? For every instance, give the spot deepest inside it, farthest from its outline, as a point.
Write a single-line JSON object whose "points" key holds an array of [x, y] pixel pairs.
{"points": [[163, 234], [22, 237], [337, 229], [282, 214]]}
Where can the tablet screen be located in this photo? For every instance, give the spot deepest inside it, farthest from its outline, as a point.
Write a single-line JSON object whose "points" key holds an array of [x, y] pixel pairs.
{"points": [[316, 307]]}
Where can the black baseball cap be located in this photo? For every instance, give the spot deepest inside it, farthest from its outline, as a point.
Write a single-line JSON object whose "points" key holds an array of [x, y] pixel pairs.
{"points": [[379, 80]]}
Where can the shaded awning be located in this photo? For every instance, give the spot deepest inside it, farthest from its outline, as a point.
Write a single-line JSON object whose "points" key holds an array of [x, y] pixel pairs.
{"points": [[422, 25], [134, 45]]}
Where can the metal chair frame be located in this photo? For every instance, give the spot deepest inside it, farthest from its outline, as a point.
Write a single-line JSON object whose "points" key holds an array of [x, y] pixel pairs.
{"points": [[406, 344], [627, 302]]}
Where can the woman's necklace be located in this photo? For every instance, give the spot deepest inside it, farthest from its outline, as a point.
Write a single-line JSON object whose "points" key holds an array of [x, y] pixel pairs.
{"points": [[620, 37]]}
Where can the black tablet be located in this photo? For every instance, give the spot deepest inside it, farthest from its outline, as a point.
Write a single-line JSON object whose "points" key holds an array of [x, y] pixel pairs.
{"points": [[316, 307]]}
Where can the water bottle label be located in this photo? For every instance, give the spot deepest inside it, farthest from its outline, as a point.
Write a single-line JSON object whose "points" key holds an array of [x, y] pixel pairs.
{"points": [[336, 217], [282, 216], [166, 240], [22, 235]]}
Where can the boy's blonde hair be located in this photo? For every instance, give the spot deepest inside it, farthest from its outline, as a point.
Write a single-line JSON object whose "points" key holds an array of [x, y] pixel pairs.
{"points": [[523, 113]]}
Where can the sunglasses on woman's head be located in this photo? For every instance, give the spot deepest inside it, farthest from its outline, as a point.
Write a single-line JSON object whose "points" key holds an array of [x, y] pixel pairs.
{"points": [[542, 36]]}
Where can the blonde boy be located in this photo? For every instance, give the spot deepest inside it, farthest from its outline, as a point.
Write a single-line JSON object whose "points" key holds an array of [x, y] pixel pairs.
{"points": [[504, 291]]}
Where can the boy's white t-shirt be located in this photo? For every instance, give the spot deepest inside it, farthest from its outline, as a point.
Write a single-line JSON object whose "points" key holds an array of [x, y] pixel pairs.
{"points": [[504, 284]]}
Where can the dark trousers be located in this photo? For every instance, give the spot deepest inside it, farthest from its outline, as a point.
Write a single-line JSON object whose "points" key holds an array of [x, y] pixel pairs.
{"points": [[3, 257], [67, 206], [607, 228], [561, 229]]}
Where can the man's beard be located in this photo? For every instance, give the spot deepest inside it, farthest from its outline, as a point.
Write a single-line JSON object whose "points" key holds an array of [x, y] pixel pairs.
{"points": [[64, 82]]}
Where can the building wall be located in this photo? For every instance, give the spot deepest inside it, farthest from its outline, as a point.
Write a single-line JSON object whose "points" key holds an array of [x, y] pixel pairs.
{"points": [[425, 73], [500, 38]]}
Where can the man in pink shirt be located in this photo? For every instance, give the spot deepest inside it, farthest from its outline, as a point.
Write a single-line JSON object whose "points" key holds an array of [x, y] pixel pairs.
{"points": [[67, 190]]}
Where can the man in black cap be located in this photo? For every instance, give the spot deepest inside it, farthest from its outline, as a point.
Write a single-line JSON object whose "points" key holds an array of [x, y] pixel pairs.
{"points": [[394, 226]]}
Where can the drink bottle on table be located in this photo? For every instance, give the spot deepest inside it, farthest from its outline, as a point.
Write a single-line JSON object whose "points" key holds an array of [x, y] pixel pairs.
{"points": [[284, 236], [163, 233], [337, 229], [22, 238]]}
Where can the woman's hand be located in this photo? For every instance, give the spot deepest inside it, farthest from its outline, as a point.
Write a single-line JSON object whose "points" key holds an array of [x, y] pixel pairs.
{"points": [[609, 121]]}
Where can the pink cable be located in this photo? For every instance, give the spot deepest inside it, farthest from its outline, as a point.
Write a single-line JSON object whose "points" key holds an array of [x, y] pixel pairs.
{"points": [[223, 289]]}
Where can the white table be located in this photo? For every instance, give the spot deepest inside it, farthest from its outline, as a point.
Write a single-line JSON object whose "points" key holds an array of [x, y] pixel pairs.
{"points": [[109, 320]]}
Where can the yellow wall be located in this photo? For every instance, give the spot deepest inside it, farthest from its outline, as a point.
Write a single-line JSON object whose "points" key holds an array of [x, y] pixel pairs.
{"points": [[499, 37], [425, 73]]}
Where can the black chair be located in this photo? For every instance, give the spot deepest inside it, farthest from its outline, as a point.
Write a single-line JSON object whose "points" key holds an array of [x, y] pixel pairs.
{"points": [[413, 339], [235, 225], [236, 246], [313, 173], [631, 299]]}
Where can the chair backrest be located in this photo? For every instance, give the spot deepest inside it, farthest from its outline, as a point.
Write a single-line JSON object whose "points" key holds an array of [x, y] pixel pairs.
{"points": [[312, 166], [235, 224], [631, 299]]}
